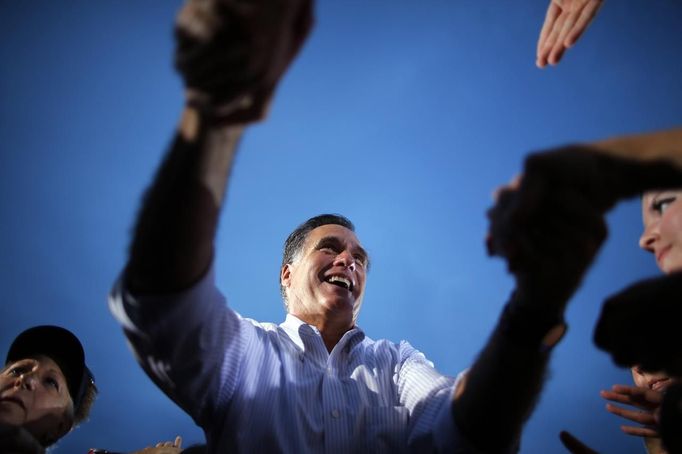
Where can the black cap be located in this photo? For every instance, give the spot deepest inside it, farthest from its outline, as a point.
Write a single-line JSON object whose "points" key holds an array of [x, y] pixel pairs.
{"points": [[64, 348]]}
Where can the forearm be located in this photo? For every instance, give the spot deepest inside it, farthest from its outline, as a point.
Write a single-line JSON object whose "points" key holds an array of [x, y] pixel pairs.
{"points": [[173, 238], [661, 145], [503, 386]]}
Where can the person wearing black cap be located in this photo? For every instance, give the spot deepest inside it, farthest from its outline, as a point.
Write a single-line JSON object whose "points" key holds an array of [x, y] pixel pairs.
{"points": [[46, 389]]}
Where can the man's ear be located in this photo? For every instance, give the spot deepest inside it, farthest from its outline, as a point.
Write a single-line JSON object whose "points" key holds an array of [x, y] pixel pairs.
{"points": [[285, 275]]}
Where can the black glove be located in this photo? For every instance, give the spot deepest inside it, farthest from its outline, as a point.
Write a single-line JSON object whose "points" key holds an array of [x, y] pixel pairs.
{"points": [[643, 325], [238, 63]]}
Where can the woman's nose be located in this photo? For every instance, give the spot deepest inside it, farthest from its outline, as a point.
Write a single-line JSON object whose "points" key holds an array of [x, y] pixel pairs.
{"points": [[648, 238]]}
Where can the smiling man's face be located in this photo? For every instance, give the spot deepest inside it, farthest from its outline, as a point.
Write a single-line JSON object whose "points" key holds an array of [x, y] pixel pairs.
{"points": [[326, 280]]}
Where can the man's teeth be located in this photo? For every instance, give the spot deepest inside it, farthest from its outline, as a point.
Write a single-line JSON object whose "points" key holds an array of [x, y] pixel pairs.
{"points": [[336, 280]]}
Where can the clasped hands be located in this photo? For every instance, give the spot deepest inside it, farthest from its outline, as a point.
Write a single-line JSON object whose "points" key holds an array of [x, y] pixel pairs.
{"points": [[549, 227], [231, 54]]}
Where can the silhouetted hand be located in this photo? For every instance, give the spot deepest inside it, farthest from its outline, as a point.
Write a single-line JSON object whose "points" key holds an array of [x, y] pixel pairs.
{"points": [[550, 224], [231, 54], [641, 325]]}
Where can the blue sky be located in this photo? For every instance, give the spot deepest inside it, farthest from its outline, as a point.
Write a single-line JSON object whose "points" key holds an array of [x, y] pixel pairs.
{"points": [[402, 115]]}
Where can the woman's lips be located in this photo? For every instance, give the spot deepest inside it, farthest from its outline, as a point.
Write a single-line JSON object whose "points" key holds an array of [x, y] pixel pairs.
{"points": [[662, 253], [660, 385]]}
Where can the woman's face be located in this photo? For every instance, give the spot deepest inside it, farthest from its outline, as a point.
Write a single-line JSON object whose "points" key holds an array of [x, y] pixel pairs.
{"points": [[656, 381], [662, 215], [34, 395]]}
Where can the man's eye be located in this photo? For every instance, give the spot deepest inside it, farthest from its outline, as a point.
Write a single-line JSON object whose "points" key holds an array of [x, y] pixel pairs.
{"points": [[661, 205]]}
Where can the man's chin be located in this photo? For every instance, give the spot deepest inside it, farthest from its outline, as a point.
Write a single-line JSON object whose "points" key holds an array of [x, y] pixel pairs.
{"points": [[339, 303]]}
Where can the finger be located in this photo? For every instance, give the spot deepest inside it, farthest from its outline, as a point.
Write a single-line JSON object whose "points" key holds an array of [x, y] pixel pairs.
{"points": [[639, 416], [639, 395], [574, 445], [559, 47], [552, 39], [586, 15], [632, 396], [178, 442], [553, 12], [616, 397], [542, 51], [513, 185], [640, 431]]}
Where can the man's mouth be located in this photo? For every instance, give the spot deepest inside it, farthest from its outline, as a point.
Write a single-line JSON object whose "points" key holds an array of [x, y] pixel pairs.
{"points": [[340, 281]]}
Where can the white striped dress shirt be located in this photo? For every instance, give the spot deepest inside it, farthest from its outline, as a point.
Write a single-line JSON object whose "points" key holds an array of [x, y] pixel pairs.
{"points": [[262, 387]]}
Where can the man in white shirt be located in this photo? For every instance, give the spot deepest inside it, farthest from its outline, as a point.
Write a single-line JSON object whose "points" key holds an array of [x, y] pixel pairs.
{"points": [[316, 383]]}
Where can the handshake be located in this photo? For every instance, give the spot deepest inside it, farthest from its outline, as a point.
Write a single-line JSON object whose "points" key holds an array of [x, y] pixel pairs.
{"points": [[549, 225], [231, 54]]}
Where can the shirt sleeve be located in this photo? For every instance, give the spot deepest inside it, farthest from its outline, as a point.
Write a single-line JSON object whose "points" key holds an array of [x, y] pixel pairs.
{"points": [[429, 396], [190, 343]]}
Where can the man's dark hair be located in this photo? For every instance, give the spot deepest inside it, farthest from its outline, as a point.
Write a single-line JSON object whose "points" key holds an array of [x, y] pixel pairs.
{"points": [[295, 240]]}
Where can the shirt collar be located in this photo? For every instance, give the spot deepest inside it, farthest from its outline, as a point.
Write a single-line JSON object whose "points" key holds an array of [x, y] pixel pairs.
{"points": [[302, 333]]}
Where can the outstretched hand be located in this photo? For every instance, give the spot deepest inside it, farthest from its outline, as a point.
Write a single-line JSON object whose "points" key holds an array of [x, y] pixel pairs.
{"points": [[565, 22], [646, 401], [231, 54]]}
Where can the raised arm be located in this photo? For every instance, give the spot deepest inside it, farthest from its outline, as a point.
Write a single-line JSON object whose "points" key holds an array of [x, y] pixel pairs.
{"points": [[230, 55], [548, 227]]}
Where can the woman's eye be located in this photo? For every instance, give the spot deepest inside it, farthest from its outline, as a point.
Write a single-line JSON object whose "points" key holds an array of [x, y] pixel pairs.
{"points": [[661, 205], [16, 371], [52, 382]]}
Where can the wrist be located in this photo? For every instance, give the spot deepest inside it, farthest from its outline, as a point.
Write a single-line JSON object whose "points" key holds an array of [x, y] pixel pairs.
{"points": [[239, 111], [538, 327]]}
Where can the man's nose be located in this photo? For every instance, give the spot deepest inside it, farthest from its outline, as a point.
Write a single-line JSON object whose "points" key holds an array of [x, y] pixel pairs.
{"points": [[27, 380], [345, 258]]}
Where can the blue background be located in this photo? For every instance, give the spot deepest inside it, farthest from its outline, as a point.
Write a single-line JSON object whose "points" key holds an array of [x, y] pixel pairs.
{"points": [[402, 115]]}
